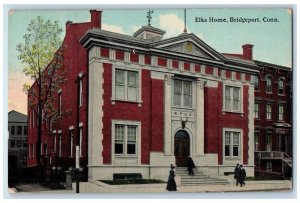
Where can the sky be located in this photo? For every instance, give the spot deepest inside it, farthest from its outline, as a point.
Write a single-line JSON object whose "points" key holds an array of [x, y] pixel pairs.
{"points": [[272, 40]]}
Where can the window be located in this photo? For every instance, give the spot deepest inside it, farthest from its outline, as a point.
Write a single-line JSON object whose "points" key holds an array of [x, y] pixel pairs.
{"points": [[256, 140], [45, 149], [269, 84], [256, 83], [125, 139], [13, 142], [126, 85], [24, 142], [59, 144], [54, 143], [256, 110], [59, 103], [71, 142], [80, 93], [32, 147], [269, 166], [12, 130], [232, 99], [269, 141], [280, 112], [232, 144], [19, 142], [41, 152], [25, 130], [280, 87], [182, 93], [269, 112], [80, 141], [20, 129]]}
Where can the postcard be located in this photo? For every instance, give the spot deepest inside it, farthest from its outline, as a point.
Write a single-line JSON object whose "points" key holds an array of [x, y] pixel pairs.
{"points": [[150, 100]]}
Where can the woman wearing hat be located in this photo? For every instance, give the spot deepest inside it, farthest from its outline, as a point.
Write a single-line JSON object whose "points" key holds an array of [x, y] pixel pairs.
{"points": [[171, 185]]}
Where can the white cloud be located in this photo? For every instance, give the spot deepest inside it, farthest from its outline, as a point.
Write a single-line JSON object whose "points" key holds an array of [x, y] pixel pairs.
{"points": [[173, 25], [113, 28]]}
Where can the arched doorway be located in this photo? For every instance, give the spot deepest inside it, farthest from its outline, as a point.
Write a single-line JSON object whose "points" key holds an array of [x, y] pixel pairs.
{"points": [[181, 147]]}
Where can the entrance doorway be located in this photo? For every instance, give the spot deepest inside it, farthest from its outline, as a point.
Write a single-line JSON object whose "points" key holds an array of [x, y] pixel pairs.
{"points": [[181, 147]]}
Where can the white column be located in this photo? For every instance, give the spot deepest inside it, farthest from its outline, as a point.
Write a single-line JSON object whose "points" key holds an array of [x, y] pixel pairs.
{"points": [[167, 115], [251, 125], [199, 138], [95, 113]]}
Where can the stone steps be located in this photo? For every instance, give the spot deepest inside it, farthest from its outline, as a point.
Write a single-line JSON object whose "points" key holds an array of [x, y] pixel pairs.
{"points": [[199, 178]]}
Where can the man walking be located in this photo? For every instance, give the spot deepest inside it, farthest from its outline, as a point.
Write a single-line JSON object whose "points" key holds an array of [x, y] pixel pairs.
{"points": [[236, 173], [242, 176], [190, 165]]}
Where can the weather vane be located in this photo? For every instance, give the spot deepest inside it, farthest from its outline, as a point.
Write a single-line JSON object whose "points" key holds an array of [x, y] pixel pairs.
{"points": [[149, 16]]}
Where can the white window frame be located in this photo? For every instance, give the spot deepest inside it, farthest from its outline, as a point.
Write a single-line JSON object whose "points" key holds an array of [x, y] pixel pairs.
{"points": [[80, 140], [283, 86], [233, 159], [269, 86], [269, 113], [256, 110], [182, 80], [256, 140], [241, 94], [80, 92], [59, 142], [54, 141], [138, 140], [256, 82], [41, 152], [71, 142], [139, 91], [281, 114]]}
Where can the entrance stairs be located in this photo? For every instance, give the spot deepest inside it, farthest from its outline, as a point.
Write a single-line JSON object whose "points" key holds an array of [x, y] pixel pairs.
{"points": [[198, 178]]}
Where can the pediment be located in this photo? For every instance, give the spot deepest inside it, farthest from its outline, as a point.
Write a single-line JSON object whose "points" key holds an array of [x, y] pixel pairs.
{"points": [[189, 44]]}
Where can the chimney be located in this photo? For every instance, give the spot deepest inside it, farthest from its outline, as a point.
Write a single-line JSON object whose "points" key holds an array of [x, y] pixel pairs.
{"points": [[96, 18], [247, 51], [68, 23]]}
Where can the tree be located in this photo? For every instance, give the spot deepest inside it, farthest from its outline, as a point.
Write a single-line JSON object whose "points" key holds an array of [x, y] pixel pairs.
{"points": [[42, 54]]}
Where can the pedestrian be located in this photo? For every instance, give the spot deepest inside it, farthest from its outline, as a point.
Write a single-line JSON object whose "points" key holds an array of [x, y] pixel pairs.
{"points": [[242, 176], [236, 173], [171, 185], [190, 165]]}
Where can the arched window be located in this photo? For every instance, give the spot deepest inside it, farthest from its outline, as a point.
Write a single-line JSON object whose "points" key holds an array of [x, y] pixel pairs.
{"points": [[256, 83], [280, 86], [269, 84]]}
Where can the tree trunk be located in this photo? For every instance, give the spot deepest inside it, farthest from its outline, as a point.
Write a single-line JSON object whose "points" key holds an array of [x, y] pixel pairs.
{"points": [[39, 132]]}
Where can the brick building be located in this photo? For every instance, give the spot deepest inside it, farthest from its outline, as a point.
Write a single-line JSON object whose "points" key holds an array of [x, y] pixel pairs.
{"points": [[273, 138], [140, 103]]}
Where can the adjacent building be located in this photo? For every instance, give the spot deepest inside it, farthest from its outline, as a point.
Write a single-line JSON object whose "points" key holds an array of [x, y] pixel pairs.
{"points": [[17, 144], [140, 103]]}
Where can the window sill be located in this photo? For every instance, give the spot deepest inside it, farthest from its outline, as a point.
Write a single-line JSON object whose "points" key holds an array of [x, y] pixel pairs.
{"points": [[236, 112], [125, 156], [282, 95], [113, 101], [269, 92]]}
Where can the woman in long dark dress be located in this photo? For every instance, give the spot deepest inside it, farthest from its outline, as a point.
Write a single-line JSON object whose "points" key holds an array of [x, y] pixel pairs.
{"points": [[171, 185]]}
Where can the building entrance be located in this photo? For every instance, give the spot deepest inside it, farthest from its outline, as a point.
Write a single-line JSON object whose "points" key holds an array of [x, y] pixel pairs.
{"points": [[181, 147]]}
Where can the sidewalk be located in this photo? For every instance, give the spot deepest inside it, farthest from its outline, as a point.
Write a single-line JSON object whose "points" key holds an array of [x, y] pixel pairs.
{"points": [[99, 187]]}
